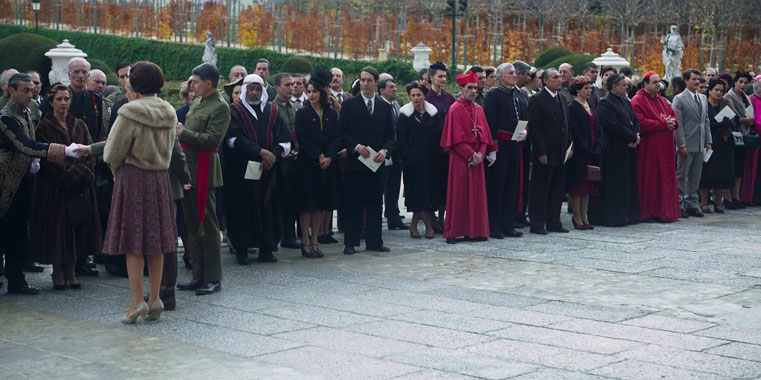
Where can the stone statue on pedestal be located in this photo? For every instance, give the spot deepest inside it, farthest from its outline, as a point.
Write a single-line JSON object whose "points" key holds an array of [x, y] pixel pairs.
{"points": [[673, 48], [210, 49]]}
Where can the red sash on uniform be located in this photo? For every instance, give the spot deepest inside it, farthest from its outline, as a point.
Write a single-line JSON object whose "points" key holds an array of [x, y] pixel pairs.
{"points": [[204, 166]]}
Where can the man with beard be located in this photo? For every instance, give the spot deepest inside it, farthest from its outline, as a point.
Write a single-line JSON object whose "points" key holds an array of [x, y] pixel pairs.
{"points": [[256, 133]]}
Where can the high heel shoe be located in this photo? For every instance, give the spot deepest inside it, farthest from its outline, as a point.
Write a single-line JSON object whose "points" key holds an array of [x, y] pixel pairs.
{"points": [[141, 310], [414, 234], [154, 312], [309, 254], [578, 226], [317, 252]]}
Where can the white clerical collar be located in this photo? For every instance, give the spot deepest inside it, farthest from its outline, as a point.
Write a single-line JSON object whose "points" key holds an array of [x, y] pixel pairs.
{"points": [[551, 93]]}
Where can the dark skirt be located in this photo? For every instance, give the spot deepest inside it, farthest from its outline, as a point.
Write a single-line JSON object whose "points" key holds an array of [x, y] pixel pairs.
{"points": [[316, 187], [739, 161], [719, 171], [584, 189], [142, 219]]}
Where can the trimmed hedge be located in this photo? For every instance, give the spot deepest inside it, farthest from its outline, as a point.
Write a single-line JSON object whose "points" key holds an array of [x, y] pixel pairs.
{"points": [[25, 52], [550, 55], [111, 77], [577, 61], [297, 65], [177, 60]]}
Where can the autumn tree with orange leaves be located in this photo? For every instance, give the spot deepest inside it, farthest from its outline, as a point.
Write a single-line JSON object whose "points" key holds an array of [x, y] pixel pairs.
{"points": [[212, 18]]}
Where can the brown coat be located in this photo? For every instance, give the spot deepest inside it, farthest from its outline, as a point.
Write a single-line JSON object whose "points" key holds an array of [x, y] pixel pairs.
{"points": [[53, 239]]}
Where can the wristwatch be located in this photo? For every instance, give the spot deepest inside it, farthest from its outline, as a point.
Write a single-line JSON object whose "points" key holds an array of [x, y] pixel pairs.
{"points": [[385, 151]]}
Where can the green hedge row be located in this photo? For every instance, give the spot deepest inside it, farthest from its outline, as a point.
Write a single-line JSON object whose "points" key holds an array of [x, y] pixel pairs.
{"points": [[177, 60]]}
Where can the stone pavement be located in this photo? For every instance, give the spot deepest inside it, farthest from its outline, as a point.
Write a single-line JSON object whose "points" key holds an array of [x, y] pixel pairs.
{"points": [[674, 301]]}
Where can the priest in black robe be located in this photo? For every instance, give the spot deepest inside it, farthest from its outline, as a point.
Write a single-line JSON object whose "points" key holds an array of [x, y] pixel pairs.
{"points": [[256, 133], [504, 175], [618, 201]]}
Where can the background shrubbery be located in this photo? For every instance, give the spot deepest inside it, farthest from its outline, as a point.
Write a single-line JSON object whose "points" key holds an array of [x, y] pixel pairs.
{"points": [[177, 60]]}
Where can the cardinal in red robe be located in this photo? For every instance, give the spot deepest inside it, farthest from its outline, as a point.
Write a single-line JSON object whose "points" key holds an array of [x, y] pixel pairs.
{"points": [[467, 137], [656, 158]]}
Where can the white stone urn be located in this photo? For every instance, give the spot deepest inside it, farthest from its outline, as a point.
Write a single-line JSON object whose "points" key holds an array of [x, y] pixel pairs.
{"points": [[609, 58], [60, 57], [421, 53]]}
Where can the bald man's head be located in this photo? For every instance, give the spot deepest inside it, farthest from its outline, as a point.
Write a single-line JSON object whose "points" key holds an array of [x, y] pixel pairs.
{"points": [[97, 81]]}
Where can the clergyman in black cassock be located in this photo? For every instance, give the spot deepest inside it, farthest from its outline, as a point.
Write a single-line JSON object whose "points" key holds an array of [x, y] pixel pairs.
{"points": [[504, 176], [618, 201], [256, 133]]}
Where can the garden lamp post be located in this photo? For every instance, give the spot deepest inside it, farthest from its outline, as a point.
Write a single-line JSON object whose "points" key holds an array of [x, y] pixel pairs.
{"points": [[36, 8]]}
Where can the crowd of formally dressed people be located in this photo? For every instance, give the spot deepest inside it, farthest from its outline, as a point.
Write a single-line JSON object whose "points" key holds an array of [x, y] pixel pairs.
{"points": [[118, 174]]}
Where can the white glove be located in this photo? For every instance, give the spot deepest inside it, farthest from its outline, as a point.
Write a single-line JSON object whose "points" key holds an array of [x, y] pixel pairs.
{"points": [[70, 151], [520, 136], [35, 167], [492, 158]]}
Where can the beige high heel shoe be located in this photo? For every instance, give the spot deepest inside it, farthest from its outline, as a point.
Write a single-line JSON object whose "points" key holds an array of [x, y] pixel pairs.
{"points": [[154, 311], [140, 310]]}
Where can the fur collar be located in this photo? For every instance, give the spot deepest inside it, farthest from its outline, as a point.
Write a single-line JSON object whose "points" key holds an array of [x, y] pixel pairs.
{"points": [[408, 109]]}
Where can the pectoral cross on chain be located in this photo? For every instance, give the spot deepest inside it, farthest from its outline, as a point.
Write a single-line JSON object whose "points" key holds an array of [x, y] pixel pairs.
{"points": [[475, 130]]}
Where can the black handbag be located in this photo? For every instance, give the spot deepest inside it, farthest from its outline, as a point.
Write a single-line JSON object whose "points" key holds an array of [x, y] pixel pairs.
{"points": [[78, 210], [752, 141]]}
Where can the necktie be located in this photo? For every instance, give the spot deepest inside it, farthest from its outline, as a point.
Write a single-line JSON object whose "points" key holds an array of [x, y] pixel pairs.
{"points": [[370, 106], [697, 100], [340, 97], [298, 101]]}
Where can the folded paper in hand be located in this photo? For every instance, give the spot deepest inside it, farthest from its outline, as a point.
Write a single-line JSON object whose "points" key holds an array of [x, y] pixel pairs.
{"points": [[253, 171], [707, 153], [520, 128], [369, 161], [568, 152], [725, 113]]}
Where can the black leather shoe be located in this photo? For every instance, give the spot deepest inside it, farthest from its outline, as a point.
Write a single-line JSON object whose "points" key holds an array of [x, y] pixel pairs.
{"points": [[89, 262], [192, 285], [265, 257], [514, 234], [23, 290], [242, 258], [83, 270], [730, 205], [539, 231], [684, 214], [293, 244], [208, 288], [496, 235], [694, 212], [452, 241], [382, 248], [397, 225], [349, 250], [326, 239], [32, 267], [558, 229]]}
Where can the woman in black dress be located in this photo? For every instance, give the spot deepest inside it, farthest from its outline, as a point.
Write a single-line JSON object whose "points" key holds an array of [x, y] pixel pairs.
{"points": [[317, 134], [587, 143], [718, 172], [418, 146]]}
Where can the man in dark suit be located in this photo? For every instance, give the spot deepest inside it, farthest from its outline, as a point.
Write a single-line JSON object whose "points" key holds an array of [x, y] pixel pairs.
{"points": [[548, 131], [366, 121], [393, 174]]}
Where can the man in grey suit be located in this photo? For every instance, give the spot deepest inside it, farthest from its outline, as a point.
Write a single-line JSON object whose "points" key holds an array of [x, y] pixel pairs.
{"points": [[387, 90], [693, 138]]}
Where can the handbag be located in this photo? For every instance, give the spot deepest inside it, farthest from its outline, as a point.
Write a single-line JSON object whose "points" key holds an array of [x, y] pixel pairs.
{"points": [[738, 138], [752, 141], [78, 210], [592, 173]]}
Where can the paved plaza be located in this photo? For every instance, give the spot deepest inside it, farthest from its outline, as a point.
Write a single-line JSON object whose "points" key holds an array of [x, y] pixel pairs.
{"points": [[674, 301]]}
